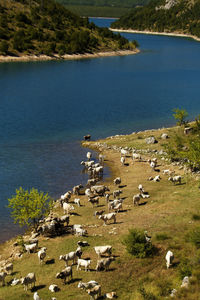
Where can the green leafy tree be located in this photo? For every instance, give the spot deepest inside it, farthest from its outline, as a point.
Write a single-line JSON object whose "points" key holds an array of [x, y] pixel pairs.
{"points": [[4, 47], [180, 115], [28, 207]]}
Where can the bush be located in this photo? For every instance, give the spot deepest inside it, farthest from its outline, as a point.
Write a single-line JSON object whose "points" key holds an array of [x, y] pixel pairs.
{"points": [[4, 47], [146, 295], [195, 217], [137, 245], [164, 287], [194, 237], [185, 268]]}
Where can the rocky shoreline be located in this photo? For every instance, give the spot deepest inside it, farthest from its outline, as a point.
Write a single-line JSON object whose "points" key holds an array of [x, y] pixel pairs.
{"points": [[27, 58], [157, 33]]}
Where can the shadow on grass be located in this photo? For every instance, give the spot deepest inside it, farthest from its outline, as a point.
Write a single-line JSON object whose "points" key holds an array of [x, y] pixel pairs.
{"points": [[122, 186], [50, 261], [75, 214], [126, 164], [38, 287], [143, 203], [74, 280]]}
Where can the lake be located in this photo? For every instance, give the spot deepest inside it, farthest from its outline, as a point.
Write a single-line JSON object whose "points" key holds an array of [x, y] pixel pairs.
{"points": [[47, 107]]}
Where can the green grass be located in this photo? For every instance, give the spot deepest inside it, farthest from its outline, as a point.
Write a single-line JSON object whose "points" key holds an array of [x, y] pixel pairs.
{"points": [[166, 215]]}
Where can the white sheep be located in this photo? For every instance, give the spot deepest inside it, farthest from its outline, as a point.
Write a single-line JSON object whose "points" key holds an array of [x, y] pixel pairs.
{"points": [[104, 263], [136, 156], [169, 258], [77, 201], [15, 281], [94, 292], [101, 159], [108, 217], [31, 248], [87, 285], [42, 255], [65, 273], [101, 250], [122, 160], [67, 208], [175, 179], [53, 288], [66, 196], [28, 279], [8, 268], [116, 193], [73, 255], [157, 178], [89, 155], [124, 152], [117, 181], [140, 188], [136, 199], [83, 263], [36, 296]]}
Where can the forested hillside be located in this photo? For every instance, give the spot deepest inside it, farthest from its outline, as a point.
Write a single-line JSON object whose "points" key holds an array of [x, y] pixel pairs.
{"points": [[164, 16], [105, 8], [46, 27]]}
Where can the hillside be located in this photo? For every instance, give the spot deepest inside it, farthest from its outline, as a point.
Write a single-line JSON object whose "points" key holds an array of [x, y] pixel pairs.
{"points": [[179, 16], [46, 27], [171, 216], [102, 8]]}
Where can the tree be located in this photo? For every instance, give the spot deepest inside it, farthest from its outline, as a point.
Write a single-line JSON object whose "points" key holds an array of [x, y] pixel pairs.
{"points": [[29, 207], [4, 47], [180, 115]]}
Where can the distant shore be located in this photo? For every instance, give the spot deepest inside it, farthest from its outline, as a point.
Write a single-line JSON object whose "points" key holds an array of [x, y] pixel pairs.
{"points": [[158, 33], [26, 58]]}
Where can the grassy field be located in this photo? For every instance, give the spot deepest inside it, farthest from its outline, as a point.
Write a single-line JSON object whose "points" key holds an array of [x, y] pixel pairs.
{"points": [[170, 215]]}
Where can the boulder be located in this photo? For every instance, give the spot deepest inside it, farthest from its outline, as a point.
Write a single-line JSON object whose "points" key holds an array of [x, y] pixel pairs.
{"points": [[151, 140]]}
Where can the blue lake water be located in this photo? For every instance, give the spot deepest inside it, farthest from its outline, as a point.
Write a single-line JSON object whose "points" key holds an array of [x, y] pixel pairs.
{"points": [[47, 107]]}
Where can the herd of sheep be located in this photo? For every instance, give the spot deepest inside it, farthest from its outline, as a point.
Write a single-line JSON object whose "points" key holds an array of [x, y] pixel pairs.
{"points": [[53, 225]]}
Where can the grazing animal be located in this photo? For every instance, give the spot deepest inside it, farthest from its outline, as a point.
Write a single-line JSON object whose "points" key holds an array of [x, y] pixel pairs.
{"points": [[15, 281], [169, 258], [77, 201], [28, 280], [116, 193], [31, 248], [53, 288], [89, 155], [67, 272], [153, 165], [64, 219], [83, 263], [94, 201], [36, 296], [157, 178], [115, 205], [136, 199], [83, 243], [42, 254], [8, 268], [124, 152], [168, 172], [99, 189], [98, 213], [175, 179], [101, 250], [71, 256], [87, 137], [136, 156], [91, 182], [76, 189], [80, 231], [110, 295], [2, 277], [104, 263], [122, 160], [67, 208], [87, 285], [117, 181], [108, 217], [140, 188], [107, 197], [89, 193], [66, 196], [94, 292]]}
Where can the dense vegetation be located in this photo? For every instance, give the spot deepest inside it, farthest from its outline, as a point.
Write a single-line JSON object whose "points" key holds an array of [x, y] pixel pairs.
{"points": [[183, 17], [99, 8], [46, 27]]}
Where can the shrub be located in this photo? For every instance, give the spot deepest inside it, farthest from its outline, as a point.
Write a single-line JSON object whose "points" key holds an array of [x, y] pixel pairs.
{"points": [[137, 245], [164, 287], [194, 237], [195, 217], [146, 295], [4, 47], [185, 268]]}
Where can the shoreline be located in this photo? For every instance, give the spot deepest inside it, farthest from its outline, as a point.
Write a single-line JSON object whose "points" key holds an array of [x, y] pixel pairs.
{"points": [[27, 58], [157, 33]]}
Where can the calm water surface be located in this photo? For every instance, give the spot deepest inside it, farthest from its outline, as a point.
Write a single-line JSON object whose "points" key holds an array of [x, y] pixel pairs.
{"points": [[47, 107]]}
